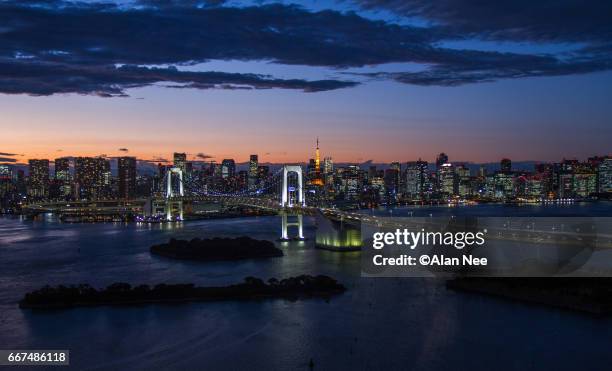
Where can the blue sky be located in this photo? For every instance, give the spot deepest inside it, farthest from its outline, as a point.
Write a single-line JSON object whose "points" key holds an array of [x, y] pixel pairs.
{"points": [[385, 83]]}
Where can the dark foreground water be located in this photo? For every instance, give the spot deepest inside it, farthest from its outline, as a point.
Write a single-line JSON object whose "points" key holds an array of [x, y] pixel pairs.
{"points": [[378, 324]]}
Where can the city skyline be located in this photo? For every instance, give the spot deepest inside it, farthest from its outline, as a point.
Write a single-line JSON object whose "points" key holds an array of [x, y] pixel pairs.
{"points": [[204, 160]]}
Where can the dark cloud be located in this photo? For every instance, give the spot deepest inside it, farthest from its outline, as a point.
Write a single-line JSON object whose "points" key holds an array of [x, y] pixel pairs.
{"points": [[7, 159], [516, 20], [475, 67], [9, 154], [284, 34], [123, 150], [100, 49], [203, 156], [37, 77], [158, 160], [180, 3]]}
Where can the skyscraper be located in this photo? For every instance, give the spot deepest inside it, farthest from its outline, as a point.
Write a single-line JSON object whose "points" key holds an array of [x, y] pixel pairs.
{"points": [[63, 182], [252, 176], [180, 161], [126, 167], [392, 182], [5, 183], [39, 178], [91, 176], [228, 168], [605, 176], [441, 160], [416, 175], [328, 170], [447, 179], [62, 168]]}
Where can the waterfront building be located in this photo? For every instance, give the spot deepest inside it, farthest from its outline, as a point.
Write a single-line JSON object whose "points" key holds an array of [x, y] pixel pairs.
{"points": [[447, 179], [63, 179], [92, 177], [604, 173], [38, 178], [534, 186], [505, 186], [415, 179], [584, 184], [464, 181]]}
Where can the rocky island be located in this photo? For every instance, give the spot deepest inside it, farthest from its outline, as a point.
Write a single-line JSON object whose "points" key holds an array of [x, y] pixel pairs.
{"points": [[216, 249], [252, 288], [583, 294]]}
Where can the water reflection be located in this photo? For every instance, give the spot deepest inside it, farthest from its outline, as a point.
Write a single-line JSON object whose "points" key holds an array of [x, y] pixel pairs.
{"points": [[385, 323]]}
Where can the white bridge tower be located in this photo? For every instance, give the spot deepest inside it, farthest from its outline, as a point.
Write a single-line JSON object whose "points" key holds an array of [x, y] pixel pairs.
{"points": [[173, 205], [285, 200]]}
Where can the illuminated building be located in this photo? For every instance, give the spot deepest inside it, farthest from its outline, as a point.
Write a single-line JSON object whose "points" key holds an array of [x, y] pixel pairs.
{"points": [[126, 173], [584, 184], [377, 184], [604, 171], [316, 178], [252, 176], [415, 178], [447, 179], [328, 174], [92, 177], [5, 181], [39, 178], [62, 168], [5, 172], [62, 176], [441, 160], [464, 184], [534, 186], [350, 182], [504, 185], [180, 161], [228, 168]]}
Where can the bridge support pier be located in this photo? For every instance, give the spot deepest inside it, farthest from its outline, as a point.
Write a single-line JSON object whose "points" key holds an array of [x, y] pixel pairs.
{"points": [[174, 207], [286, 223]]}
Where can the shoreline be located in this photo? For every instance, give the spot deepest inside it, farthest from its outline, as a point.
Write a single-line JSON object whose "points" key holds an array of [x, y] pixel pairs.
{"points": [[583, 295]]}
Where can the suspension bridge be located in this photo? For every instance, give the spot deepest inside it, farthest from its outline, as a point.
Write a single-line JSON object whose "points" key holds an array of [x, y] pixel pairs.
{"points": [[283, 194]]}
